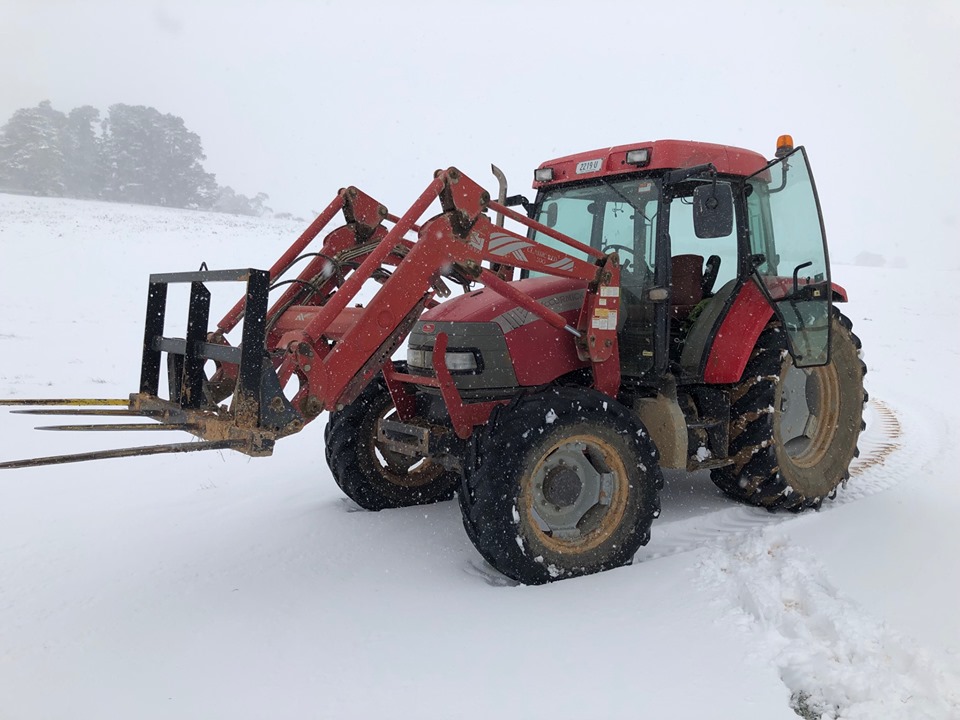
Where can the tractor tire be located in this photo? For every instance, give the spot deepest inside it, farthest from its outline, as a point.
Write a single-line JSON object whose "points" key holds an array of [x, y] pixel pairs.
{"points": [[567, 484], [793, 431], [373, 477]]}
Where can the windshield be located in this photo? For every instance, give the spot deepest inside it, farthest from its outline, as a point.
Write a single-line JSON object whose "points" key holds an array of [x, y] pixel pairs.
{"points": [[614, 216], [609, 216]]}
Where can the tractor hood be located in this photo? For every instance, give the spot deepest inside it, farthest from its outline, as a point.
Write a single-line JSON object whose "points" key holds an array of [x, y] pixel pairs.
{"points": [[512, 345], [561, 295]]}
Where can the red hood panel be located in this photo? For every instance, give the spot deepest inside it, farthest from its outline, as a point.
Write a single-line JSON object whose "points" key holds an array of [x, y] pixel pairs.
{"points": [[540, 353], [485, 305]]}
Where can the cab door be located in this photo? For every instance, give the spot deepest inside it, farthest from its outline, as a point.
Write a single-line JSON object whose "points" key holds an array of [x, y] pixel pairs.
{"points": [[789, 251]]}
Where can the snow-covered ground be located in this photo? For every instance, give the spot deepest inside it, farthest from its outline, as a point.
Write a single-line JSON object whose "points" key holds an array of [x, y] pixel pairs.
{"points": [[211, 585]]}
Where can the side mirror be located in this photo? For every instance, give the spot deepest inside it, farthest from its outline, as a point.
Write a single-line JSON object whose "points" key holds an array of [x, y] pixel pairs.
{"points": [[713, 210], [551, 210]]}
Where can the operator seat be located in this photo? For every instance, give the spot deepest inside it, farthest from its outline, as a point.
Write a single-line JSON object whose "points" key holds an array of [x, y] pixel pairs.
{"points": [[686, 284]]}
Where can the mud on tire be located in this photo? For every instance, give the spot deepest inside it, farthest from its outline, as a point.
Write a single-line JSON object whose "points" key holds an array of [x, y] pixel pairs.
{"points": [[376, 478], [793, 432], [567, 484]]}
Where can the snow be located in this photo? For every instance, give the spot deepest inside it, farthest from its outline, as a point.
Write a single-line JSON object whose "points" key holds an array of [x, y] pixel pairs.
{"points": [[835, 659], [212, 585]]}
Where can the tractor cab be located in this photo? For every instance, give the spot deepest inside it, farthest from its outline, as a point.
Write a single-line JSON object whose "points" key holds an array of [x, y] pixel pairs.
{"points": [[692, 224]]}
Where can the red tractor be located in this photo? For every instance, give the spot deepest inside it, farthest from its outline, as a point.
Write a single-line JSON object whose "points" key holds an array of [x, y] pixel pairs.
{"points": [[670, 305]]}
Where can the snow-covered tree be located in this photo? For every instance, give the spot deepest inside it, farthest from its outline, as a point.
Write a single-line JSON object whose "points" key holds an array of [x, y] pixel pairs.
{"points": [[140, 155], [83, 167], [230, 201], [152, 158], [31, 151]]}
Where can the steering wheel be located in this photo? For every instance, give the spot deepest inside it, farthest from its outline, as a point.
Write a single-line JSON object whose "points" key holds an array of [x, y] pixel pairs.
{"points": [[710, 271], [624, 264]]}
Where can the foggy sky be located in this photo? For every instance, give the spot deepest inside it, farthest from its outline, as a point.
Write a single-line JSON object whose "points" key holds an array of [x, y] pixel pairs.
{"points": [[298, 99]]}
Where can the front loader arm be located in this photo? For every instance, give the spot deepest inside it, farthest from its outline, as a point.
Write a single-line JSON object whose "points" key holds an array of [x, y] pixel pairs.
{"points": [[462, 237], [363, 215], [337, 350]]}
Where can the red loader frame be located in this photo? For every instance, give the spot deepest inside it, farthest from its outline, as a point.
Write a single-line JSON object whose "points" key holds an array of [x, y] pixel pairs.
{"points": [[334, 351]]}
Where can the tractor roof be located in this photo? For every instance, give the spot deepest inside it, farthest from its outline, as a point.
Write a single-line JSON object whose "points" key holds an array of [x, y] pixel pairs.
{"points": [[663, 154]]}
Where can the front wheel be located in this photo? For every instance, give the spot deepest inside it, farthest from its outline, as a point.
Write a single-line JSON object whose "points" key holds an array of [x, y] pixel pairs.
{"points": [[568, 484], [374, 477], [794, 431]]}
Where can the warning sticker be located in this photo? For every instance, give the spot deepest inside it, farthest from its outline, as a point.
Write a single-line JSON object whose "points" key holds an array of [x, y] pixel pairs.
{"points": [[607, 291], [604, 319]]}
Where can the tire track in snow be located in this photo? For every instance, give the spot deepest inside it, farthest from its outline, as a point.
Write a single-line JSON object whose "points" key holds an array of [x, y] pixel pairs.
{"points": [[835, 658], [875, 448], [869, 474]]}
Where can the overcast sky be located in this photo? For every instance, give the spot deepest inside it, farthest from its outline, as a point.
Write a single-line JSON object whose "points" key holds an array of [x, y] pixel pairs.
{"points": [[297, 99]]}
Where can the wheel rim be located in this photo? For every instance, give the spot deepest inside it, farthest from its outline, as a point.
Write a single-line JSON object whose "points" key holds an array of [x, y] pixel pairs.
{"points": [[576, 496], [809, 412], [397, 468]]}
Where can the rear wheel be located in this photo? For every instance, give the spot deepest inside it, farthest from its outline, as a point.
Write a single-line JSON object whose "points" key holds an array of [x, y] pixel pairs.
{"points": [[372, 476], [794, 431], [568, 484]]}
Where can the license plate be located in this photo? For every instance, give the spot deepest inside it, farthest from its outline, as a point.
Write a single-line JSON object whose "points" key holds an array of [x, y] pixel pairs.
{"points": [[589, 166]]}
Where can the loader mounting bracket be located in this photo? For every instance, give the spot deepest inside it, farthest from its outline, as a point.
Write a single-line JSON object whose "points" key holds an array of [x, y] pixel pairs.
{"points": [[258, 400]]}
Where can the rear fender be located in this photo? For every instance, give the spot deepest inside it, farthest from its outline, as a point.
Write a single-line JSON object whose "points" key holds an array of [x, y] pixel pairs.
{"points": [[737, 336]]}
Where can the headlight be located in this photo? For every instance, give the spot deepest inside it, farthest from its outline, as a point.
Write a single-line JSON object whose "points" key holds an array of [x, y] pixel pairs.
{"points": [[638, 157], [460, 361], [456, 361], [417, 358]]}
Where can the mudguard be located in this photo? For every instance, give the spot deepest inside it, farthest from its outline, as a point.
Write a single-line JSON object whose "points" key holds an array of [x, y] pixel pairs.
{"points": [[737, 336], [738, 333]]}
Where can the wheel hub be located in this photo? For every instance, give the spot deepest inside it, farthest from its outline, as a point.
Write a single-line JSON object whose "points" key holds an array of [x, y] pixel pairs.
{"points": [[795, 410], [568, 485], [562, 486], [808, 411]]}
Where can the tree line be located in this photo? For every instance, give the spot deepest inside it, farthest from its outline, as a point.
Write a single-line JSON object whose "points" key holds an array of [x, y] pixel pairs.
{"points": [[135, 154]]}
